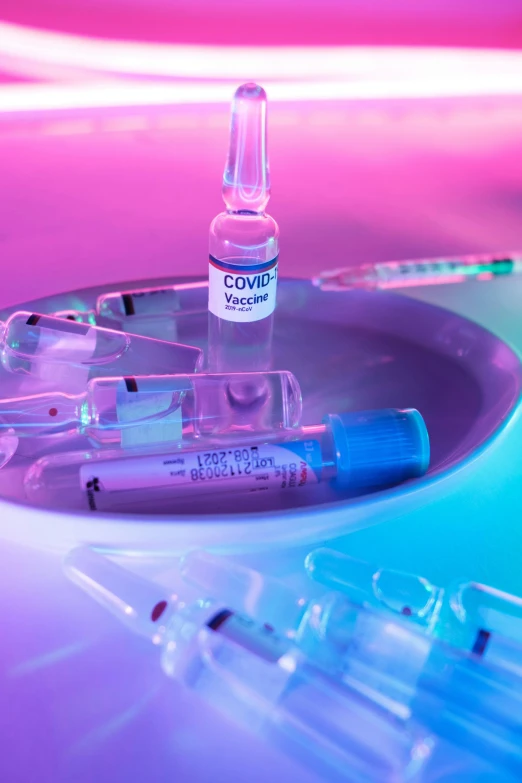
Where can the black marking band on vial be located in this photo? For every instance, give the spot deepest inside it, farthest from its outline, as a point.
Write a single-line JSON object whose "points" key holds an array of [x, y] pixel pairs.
{"points": [[131, 384], [128, 304], [481, 642], [33, 320], [217, 621]]}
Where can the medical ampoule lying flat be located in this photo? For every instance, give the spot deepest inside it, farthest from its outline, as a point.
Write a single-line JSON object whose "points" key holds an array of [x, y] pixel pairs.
{"points": [[152, 312], [423, 271], [259, 679], [368, 449], [407, 673], [41, 344], [143, 410], [468, 615], [244, 246]]}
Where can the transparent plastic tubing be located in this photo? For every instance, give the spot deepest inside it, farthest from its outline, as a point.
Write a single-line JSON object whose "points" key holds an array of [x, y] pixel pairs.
{"points": [[468, 615], [243, 246], [31, 341], [205, 404], [424, 271], [411, 675], [259, 679], [147, 311], [368, 449]]}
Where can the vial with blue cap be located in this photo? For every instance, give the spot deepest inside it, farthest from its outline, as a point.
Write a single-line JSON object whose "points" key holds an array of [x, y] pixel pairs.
{"points": [[356, 451], [244, 246]]}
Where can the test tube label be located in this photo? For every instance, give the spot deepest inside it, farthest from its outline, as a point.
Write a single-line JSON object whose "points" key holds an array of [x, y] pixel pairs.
{"points": [[276, 467], [241, 292]]}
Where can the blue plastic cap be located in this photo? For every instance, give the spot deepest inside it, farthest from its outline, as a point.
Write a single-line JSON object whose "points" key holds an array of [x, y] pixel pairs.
{"points": [[379, 448]]}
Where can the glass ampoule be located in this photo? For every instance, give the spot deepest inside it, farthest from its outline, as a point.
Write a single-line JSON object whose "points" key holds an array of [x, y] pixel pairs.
{"points": [[68, 352], [412, 596], [139, 410], [259, 679], [244, 246], [361, 451], [471, 616], [159, 312], [323, 625]]}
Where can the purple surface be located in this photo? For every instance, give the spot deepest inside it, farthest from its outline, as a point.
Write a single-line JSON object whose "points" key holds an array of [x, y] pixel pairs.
{"points": [[94, 198], [463, 23]]}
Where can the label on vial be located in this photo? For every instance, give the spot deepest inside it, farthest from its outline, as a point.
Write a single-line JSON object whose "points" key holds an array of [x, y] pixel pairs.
{"points": [[240, 292], [249, 469], [260, 640], [149, 411]]}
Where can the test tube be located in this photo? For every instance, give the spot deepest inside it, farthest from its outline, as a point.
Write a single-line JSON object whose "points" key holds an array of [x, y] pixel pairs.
{"points": [[424, 271], [59, 349], [407, 673], [259, 679], [468, 615], [244, 246], [151, 312], [368, 449], [165, 408]]}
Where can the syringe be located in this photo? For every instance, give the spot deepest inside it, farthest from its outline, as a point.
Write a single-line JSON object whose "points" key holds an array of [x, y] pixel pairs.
{"points": [[151, 312], [368, 449], [407, 673], [259, 679], [424, 271], [139, 410], [66, 352], [468, 615], [244, 246]]}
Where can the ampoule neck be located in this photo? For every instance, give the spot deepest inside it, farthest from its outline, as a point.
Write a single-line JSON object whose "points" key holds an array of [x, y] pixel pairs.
{"points": [[246, 178]]}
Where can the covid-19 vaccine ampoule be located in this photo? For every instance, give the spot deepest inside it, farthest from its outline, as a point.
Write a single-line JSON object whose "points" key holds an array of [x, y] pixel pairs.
{"points": [[160, 312], [361, 451], [142, 410], [244, 246], [68, 353]]}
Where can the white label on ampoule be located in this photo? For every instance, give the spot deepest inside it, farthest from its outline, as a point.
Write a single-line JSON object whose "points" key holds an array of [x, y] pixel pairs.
{"points": [[245, 468], [239, 292], [147, 417]]}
